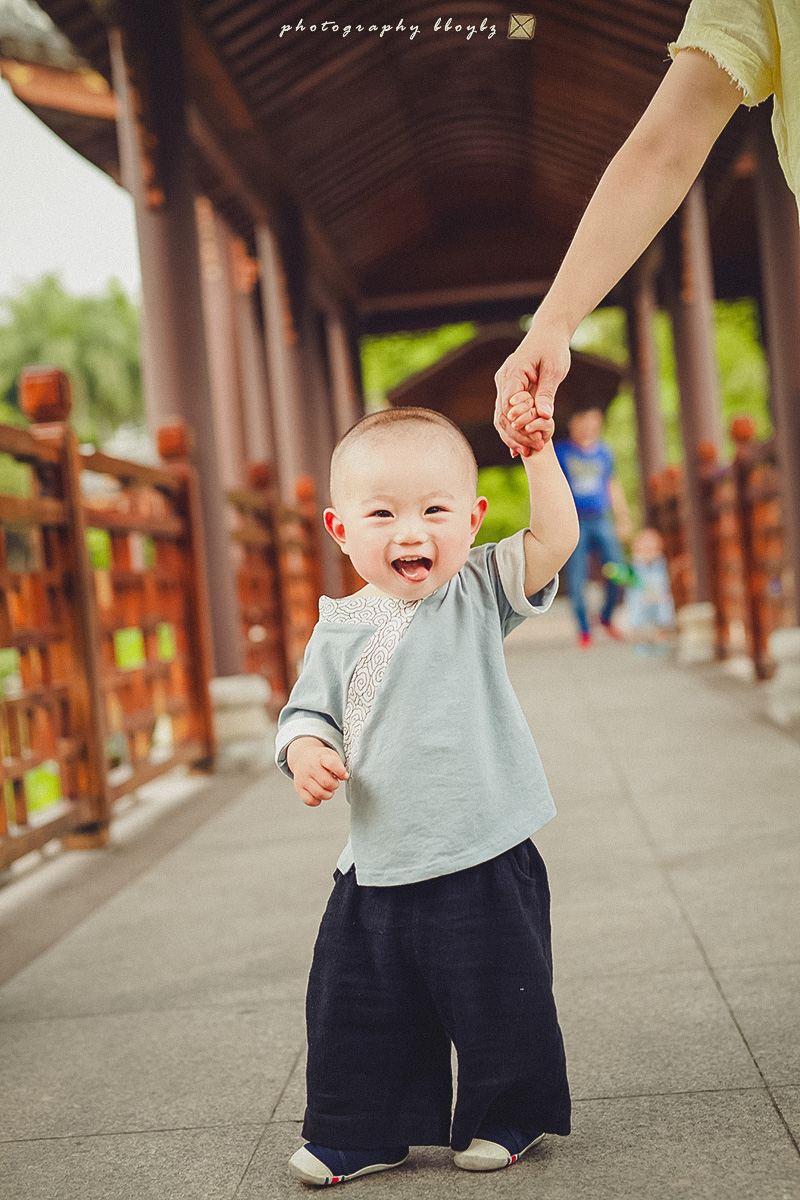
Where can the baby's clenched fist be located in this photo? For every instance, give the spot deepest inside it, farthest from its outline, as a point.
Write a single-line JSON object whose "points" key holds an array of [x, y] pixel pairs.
{"points": [[317, 769], [533, 430]]}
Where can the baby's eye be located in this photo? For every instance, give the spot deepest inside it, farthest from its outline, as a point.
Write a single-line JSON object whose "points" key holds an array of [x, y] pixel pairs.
{"points": [[380, 512], [434, 508]]}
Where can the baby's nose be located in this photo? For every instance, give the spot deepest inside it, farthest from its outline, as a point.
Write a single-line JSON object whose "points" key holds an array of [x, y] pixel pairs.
{"points": [[410, 534]]}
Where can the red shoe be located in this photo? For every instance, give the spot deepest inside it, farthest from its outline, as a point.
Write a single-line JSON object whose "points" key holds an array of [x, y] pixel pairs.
{"points": [[613, 632], [584, 641]]}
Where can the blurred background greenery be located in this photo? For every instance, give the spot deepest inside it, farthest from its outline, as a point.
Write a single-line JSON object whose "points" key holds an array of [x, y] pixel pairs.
{"points": [[94, 338]]}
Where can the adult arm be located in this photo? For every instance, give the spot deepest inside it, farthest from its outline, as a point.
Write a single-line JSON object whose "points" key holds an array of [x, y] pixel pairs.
{"points": [[641, 188]]}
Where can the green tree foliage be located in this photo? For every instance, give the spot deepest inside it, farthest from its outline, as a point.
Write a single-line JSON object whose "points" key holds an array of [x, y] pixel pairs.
{"points": [[743, 375], [388, 359], [94, 338]]}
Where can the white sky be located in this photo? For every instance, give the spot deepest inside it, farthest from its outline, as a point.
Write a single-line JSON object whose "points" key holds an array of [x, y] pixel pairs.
{"points": [[58, 212]]}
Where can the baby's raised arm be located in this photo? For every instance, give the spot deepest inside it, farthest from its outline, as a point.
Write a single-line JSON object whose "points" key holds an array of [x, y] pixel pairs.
{"points": [[554, 530]]}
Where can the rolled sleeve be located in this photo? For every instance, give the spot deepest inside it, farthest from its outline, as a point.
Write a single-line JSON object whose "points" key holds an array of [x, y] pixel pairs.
{"points": [[510, 559], [306, 726], [739, 36]]}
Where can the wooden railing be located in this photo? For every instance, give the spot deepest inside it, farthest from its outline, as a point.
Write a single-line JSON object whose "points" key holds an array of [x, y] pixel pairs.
{"points": [[724, 549], [258, 583], [667, 513], [298, 539], [768, 591], [750, 585], [279, 579], [105, 653]]}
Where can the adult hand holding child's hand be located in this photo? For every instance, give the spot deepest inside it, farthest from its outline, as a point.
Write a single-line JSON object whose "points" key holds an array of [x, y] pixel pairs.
{"points": [[526, 387], [316, 768]]}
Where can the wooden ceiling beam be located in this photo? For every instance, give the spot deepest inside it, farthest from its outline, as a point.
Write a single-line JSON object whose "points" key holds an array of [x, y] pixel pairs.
{"points": [[440, 298]]}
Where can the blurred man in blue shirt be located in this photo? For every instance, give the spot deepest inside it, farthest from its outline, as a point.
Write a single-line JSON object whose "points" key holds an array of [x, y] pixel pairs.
{"points": [[588, 465]]}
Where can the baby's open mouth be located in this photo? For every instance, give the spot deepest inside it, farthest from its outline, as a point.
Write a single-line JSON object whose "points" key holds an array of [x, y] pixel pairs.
{"points": [[412, 569]]}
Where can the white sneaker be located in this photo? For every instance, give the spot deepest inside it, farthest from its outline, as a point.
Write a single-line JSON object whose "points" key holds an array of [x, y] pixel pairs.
{"points": [[483, 1155], [340, 1166]]}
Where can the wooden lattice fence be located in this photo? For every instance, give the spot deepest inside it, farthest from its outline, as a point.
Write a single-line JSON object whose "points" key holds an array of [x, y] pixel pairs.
{"points": [[104, 642]]}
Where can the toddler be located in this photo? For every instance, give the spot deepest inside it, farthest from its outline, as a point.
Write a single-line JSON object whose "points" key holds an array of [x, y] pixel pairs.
{"points": [[437, 931], [648, 606]]}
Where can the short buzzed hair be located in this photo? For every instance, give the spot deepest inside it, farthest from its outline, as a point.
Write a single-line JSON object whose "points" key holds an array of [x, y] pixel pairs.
{"points": [[387, 419]]}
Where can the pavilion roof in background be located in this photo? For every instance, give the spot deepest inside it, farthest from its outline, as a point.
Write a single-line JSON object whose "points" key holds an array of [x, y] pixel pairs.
{"points": [[442, 176], [459, 383]]}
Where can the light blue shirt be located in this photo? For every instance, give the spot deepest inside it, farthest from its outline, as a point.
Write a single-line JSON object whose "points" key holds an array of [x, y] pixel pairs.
{"points": [[415, 697]]}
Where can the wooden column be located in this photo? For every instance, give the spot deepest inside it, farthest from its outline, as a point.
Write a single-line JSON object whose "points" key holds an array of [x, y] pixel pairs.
{"points": [[259, 436], [346, 400], [641, 311], [158, 171], [292, 436], [220, 327], [319, 407], [691, 296], [779, 243]]}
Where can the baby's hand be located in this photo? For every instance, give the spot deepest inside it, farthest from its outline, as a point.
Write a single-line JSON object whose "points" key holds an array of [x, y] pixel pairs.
{"points": [[316, 768], [533, 430]]}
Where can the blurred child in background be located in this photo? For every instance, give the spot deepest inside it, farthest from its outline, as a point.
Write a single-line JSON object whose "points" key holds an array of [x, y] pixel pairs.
{"points": [[648, 606]]}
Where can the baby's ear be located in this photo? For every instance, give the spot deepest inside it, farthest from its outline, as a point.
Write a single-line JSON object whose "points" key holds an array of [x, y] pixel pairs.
{"points": [[478, 513], [335, 526]]}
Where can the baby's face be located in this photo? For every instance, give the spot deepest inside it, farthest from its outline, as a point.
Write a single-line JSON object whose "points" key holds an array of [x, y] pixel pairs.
{"points": [[407, 512]]}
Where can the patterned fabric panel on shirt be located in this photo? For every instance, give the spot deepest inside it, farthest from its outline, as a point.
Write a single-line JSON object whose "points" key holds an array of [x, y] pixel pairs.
{"points": [[391, 618]]}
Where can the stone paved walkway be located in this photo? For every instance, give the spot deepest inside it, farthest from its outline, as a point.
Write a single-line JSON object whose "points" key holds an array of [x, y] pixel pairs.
{"points": [[153, 1047]]}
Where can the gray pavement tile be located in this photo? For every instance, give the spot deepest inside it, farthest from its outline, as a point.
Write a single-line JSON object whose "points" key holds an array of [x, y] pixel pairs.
{"points": [[698, 811], [647, 1034], [230, 935], [178, 1164], [597, 832], [742, 906], [142, 1071], [617, 927], [64, 887], [766, 1003], [292, 1104], [647, 1148], [788, 1101]]}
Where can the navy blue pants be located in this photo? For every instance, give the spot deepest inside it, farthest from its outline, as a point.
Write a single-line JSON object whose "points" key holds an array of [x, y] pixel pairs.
{"points": [[401, 972]]}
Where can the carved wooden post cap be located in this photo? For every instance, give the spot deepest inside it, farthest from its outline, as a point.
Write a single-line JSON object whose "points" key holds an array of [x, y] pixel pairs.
{"points": [[45, 394], [707, 453], [175, 441], [259, 475], [304, 488], [743, 429]]}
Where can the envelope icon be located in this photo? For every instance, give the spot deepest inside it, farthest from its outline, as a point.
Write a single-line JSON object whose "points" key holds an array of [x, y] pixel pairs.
{"points": [[521, 25]]}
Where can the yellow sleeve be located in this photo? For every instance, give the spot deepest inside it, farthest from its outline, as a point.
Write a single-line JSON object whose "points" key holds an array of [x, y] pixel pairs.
{"points": [[740, 36]]}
